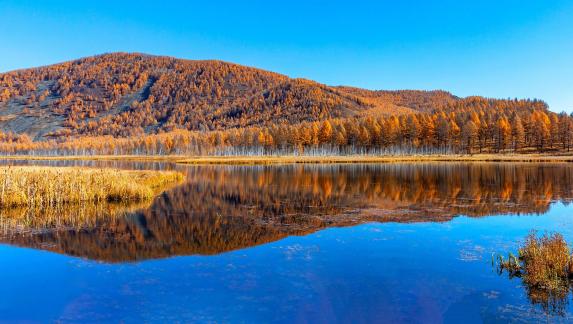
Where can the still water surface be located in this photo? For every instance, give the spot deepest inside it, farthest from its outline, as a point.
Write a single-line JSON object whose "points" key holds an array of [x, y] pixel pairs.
{"points": [[336, 243]]}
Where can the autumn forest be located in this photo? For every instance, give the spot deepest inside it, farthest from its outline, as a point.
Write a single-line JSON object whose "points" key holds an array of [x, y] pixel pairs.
{"points": [[140, 104]]}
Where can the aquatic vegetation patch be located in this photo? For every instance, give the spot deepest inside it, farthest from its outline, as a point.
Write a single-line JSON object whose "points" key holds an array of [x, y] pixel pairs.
{"points": [[545, 265], [39, 187], [542, 261]]}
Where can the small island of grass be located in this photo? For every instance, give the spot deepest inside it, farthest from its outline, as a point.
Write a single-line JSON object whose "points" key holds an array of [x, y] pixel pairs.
{"points": [[544, 262], [545, 265]]}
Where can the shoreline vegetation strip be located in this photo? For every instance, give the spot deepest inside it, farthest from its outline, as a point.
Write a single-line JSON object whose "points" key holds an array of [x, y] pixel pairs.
{"points": [[36, 186], [268, 159]]}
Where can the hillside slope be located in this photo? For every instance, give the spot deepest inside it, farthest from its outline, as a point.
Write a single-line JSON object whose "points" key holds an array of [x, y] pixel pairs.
{"points": [[127, 94], [124, 95]]}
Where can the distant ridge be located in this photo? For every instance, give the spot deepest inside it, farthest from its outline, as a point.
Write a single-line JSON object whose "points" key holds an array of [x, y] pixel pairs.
{"points": [[127, 94]]}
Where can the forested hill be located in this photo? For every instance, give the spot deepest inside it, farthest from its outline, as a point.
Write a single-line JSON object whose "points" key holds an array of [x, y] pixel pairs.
{"points": [[141, 104], [125, 95]]}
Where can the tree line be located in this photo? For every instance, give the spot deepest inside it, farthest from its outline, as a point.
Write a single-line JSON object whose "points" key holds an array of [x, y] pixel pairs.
{"points": [[463, 132]]}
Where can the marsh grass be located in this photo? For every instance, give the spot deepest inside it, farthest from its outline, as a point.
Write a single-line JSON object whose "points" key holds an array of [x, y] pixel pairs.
{"points": [[545, 265], [49, 187], [542, 262]]}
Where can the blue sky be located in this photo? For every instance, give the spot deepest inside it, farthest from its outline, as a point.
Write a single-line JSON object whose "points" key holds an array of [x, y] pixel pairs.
{"points": [[492, 48]]}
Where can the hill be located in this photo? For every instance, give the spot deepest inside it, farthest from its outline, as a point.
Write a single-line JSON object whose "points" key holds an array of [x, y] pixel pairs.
{"points": [[143, 104], [124, 94]]}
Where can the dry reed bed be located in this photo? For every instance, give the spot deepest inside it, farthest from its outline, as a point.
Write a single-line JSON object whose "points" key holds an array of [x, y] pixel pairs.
{"points": [[543, 262], [35, 187]]}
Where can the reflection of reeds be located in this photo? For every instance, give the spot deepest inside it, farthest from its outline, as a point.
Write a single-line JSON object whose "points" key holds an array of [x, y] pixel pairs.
{"points": [[76, 216], [552, 301], [41, 187]]}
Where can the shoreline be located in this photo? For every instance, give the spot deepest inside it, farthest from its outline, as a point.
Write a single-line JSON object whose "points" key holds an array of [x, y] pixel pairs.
{"points": [[374, 159], [181, 159]]}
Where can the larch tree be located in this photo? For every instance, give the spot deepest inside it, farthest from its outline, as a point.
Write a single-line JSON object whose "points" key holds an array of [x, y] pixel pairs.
{"points": [[517, 133], [469, 135], [325, 133], [502, 133]]}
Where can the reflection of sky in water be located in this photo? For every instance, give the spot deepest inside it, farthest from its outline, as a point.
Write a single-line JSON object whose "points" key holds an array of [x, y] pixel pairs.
{"points": [[422, 272]]}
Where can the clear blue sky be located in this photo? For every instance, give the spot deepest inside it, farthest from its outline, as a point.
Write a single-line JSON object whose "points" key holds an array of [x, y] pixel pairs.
{"points": [[491, 48]]}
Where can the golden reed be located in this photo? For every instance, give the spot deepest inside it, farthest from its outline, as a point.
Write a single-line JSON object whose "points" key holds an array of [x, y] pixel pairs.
{"points": [[50, 186]]}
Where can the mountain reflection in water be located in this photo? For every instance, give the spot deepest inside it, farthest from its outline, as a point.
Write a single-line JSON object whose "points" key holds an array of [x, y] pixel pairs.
{"points": [[224, 208]]}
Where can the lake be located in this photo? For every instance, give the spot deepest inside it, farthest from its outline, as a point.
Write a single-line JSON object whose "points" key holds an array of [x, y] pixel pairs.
{"points": [[292, 243]]}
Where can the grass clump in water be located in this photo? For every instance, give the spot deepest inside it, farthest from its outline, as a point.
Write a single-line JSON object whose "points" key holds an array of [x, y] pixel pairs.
{"points": [[545, 265], [50, 186], [543, 262]]}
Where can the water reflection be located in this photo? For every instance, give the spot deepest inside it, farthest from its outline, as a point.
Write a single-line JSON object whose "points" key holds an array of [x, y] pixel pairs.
{"points": [[553, 302], [223, 208]]}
